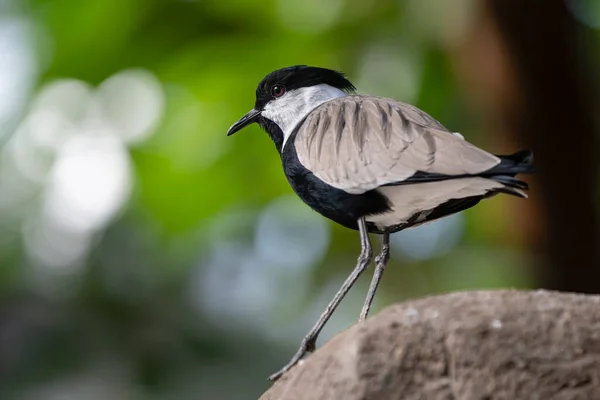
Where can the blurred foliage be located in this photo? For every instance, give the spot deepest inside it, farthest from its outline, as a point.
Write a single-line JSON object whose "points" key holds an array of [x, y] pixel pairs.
{"points": [[130, 318]]}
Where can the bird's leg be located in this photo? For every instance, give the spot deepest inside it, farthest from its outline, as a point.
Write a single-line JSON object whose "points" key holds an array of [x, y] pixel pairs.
{"points": [[380, 262], [309, 342]]}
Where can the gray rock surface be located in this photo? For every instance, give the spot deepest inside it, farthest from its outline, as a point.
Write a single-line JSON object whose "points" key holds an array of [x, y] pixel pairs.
{"points": [[470, 345]]}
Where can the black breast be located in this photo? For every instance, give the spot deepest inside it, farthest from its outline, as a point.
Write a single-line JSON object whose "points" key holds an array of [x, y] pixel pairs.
{"points": [[335, 204]]}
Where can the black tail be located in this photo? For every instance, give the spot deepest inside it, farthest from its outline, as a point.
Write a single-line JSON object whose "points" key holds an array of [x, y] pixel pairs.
{"points": [[511, 165], [517, 163]]}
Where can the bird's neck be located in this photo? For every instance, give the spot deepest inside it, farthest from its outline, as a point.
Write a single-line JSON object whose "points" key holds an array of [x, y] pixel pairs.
{"points": [[274, 132], [296, 105]]}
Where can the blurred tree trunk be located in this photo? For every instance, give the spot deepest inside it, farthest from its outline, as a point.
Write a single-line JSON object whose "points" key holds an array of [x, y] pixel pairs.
{"points": [[554, 118], [539, 80]]}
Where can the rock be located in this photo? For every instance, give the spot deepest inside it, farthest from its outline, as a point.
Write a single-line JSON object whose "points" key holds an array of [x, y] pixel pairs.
{"points": [[471, 345]]}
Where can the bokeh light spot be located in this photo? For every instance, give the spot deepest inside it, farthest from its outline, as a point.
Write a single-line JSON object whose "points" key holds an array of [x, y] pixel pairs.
{"points": [[133, 102], [18, 69], [290, 234], [90, 182], [429, 240]]}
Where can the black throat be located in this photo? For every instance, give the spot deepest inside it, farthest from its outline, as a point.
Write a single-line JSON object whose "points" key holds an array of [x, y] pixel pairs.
{"points": [[273, 130]]}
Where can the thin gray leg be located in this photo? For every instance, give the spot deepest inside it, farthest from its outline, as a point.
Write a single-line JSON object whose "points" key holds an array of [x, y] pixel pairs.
{"points": [[380, 262], [309, 342]]}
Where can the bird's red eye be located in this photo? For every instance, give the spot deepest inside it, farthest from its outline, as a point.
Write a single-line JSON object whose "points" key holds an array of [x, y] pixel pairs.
{"points": [[278, 90]]}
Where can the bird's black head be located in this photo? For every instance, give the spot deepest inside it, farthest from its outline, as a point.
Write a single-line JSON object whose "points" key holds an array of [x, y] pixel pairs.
{"points": [[298, 76], [287, 95]]}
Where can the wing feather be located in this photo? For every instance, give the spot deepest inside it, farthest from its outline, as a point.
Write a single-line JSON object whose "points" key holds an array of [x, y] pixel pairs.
{"points": [[358, 143]]}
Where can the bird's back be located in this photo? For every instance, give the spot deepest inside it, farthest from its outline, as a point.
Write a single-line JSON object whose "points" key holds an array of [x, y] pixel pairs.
{"points": [[360, 150], [359, 143]]}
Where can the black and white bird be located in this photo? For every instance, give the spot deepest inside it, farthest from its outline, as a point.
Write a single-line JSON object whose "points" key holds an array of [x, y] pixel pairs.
{"points": [[371, 164]]}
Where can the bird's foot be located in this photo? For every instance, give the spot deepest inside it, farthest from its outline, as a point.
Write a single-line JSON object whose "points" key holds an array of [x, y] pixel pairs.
{"points": [[307, 346]]}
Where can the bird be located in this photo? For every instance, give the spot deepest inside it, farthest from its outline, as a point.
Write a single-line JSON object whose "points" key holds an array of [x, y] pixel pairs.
{"points": [[371, 164]]}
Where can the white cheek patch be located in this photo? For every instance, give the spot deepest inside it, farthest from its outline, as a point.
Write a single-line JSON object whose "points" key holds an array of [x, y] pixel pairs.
{"points": [[288, 110]]}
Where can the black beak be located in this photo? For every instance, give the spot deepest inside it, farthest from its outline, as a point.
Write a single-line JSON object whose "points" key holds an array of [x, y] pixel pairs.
{"points": [[250, 118]]}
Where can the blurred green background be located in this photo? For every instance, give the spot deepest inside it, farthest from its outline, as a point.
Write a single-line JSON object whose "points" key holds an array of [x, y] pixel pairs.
{"points": [[145, 255]]}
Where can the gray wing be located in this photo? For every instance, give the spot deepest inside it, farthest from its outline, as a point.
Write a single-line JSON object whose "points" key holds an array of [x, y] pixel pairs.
{"points": [[358, 143]]}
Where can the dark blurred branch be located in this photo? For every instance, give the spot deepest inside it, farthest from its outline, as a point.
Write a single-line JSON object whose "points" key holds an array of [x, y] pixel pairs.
{"points": [[553, 119]]}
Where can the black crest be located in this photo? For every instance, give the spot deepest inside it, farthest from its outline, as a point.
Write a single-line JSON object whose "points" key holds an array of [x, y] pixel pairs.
{"points": [[299, 76]]}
